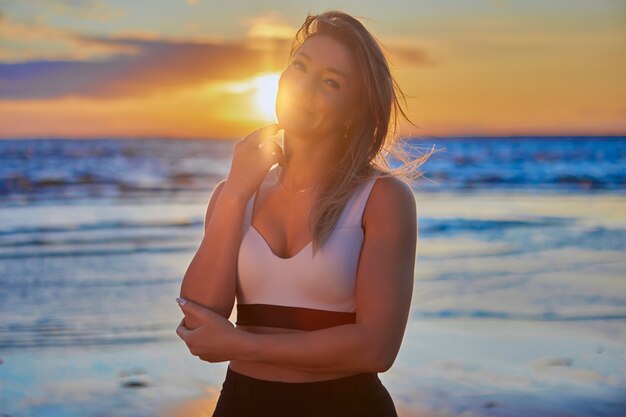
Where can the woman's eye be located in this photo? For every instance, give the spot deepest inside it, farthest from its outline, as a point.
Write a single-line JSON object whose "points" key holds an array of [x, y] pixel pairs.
{"points": [[301, 67]]}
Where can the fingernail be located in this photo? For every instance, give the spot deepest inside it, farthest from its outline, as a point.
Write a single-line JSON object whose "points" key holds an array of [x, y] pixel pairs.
{"points": [[181, 301]]}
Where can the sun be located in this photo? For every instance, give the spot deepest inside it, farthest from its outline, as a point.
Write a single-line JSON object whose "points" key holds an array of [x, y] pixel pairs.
{"points": [[257, 95], [266, 86]]}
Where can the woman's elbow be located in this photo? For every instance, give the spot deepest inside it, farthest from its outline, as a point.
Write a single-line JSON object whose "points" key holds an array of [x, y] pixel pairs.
{"points": [[384, 356], [383, 362]]}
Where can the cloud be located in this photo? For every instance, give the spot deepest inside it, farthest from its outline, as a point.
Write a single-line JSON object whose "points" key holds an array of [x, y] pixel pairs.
{"points": [[410, 51], [412, 55], [153, 66], [39, 61], [272, 25], [25, 41], [269, 25], [83, 9]]}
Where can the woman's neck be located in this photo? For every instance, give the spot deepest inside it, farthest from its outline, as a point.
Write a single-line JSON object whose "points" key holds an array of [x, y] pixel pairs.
{"points": [[307, 162]]}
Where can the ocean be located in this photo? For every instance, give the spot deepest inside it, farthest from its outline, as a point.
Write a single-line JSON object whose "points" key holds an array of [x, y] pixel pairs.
{"points": [[519, 303]]}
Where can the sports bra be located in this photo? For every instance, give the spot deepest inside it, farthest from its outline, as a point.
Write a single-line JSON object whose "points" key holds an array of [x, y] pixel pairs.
{"points": [[302, 292]]}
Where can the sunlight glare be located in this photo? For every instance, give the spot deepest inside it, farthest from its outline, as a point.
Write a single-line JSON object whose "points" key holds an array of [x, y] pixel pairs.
{"points": [[265, 97]]}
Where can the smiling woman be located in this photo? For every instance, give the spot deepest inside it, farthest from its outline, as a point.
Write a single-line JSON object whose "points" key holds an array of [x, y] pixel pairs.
{"points": [[319, 252]]}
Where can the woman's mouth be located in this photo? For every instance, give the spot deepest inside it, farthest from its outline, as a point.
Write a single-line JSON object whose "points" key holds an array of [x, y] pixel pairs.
{"points": [[303, 109]]}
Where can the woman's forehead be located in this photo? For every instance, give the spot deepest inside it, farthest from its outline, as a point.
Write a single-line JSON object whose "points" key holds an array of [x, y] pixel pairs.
{"points": [[327, 52]]}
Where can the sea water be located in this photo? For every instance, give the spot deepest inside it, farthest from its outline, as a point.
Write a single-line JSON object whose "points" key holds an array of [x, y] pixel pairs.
{"points": [[519, 302]]}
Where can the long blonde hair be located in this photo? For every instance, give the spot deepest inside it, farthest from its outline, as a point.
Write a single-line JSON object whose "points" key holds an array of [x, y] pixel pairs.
{"points": [[372, 134]]}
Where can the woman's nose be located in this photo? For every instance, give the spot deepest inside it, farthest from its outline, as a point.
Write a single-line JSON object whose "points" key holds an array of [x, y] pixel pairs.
{"points": [[305, 87]]}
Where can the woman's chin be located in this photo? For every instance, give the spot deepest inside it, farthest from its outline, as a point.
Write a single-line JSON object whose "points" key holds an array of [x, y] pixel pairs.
{"points": [[297, 127]]}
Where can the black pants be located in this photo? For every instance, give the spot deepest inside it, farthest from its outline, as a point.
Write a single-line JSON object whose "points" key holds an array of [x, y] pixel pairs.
{"points": [[361, 395]]}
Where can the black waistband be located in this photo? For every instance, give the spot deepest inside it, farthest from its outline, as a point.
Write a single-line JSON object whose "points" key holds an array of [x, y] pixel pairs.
{"points": [[291, 317], [240, 380]]}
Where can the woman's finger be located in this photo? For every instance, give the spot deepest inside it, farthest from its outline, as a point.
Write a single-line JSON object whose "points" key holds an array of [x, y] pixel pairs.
{"points": [[275, 150], [265, 133], [258, 135], [181, 330], [195, 310]]}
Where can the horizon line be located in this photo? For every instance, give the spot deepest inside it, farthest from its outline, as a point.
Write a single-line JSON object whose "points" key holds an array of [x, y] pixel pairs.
{"points": [[464, 136]]}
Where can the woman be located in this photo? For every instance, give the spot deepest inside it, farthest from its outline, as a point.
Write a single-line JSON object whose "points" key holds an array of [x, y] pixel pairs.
{"points": [[319, 251]]}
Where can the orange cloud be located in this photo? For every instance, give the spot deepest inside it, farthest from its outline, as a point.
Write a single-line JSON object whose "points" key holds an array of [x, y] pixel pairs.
{"points": [[269, 25]]}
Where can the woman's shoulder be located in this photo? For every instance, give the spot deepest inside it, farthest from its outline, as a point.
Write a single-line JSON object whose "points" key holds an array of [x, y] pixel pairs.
{"points": [[391, 196], [391, 185]]}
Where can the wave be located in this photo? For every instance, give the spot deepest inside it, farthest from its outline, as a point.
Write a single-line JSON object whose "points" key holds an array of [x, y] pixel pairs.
{"points": [[447, 225], [95, 252], [503, 315], [103, 225], [20, 283], [49, 333], [41, 170]]}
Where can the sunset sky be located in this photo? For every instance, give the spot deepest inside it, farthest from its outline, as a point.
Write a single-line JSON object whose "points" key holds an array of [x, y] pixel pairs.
{"points": [[208, 69]]}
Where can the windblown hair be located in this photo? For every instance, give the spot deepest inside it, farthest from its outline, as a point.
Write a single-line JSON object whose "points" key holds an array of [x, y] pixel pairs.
{"points": [[373, 133]]}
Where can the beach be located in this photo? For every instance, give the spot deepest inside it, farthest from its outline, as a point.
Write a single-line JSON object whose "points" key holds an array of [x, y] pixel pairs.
{"points": [[518, 309]]}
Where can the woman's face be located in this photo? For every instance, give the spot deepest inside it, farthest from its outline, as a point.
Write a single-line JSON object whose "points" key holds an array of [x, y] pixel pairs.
{"points": [[318, 91]]}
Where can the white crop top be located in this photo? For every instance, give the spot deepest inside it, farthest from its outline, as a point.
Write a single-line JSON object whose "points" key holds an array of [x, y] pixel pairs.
{"points": [[302, 292]]}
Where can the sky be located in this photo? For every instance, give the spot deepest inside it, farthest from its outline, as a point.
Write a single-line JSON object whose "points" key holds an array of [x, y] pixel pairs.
{"points": [[208, 69]]}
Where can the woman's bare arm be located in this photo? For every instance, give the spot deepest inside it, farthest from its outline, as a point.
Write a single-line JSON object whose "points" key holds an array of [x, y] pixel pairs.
{"points": [[383, 294], [210, 279]]}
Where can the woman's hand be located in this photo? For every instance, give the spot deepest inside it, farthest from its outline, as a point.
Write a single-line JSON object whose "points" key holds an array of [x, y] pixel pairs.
{"points": [[213, 340], [253, 157]]}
